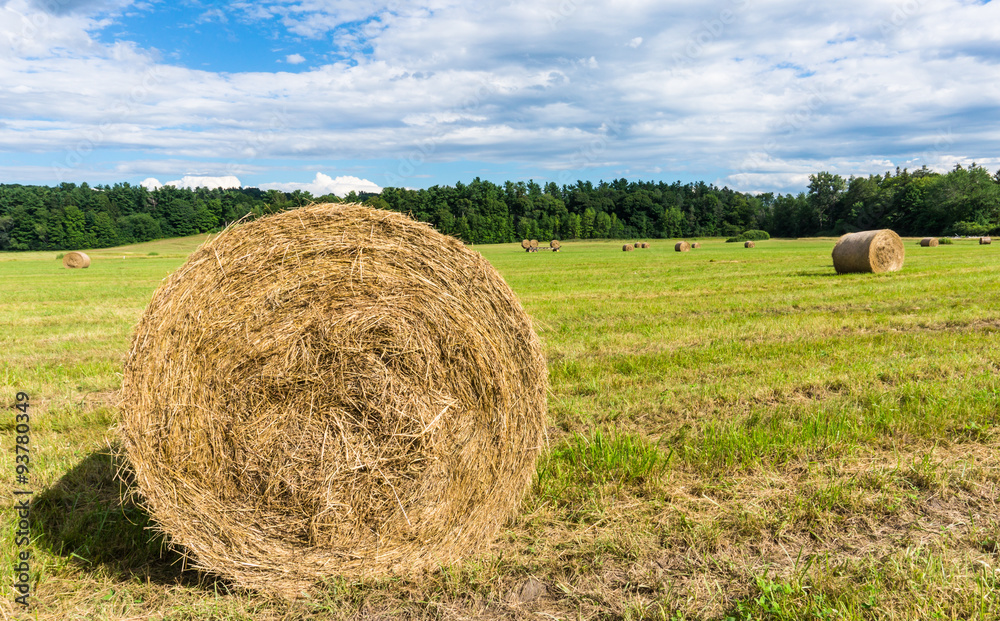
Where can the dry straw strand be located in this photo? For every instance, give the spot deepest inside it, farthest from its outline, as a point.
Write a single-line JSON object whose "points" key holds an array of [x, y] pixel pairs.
{"points": [[355, 395], [929, 242], [869, 251], [682, 246], [76, 260]]}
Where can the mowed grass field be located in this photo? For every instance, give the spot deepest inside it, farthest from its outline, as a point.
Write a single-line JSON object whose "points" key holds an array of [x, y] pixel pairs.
{"points": [[733, 433]]}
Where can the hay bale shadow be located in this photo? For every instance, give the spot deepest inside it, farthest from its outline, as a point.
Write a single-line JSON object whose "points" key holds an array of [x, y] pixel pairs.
{"points": [[817, 273], [90, 518]]}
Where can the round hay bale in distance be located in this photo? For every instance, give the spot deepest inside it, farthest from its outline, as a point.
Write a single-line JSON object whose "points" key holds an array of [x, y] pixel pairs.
{"points": [[76, 260], [555, 245], [869, 251], [682, 246], [627, 248], [645, 244], [984, 241], [695, 245], [929, 242], [333, 390], [534, 243], [525, 244], [749, 244]]}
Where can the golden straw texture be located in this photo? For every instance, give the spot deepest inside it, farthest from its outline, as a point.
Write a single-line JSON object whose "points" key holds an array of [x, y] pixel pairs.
{"points": [[983, 241], [869, 251], [929, 242], [334, 390], [75, 260], [749, 244], [628, 248], [682, 246]]}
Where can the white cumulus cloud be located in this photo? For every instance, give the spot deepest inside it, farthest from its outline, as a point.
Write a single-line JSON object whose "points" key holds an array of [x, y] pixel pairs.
{"points": [[295, 59], [325, 184], [190, 181]]}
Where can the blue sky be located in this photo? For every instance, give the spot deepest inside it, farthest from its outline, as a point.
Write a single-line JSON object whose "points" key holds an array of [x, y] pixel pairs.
{"points": [[329, 95]]}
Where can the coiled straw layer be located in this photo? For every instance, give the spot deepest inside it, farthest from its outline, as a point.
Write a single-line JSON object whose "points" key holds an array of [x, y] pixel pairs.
{"points": [[76, 260], [869, 251], [333, 390]]}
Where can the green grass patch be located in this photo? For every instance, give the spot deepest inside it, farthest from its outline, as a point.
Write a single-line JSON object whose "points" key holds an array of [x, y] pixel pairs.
{"points": [[603, 457]]}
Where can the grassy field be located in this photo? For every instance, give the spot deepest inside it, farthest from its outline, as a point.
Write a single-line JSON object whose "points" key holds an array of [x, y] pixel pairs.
{"points": [[733, 433]]}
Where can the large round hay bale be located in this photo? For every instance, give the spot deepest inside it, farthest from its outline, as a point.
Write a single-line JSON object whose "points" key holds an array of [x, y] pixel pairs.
{"points": [[869, 251], [695, 245], [76, 260], [682, 246], [627, 248], [929, 242], [534, 243], [334, 390], [525, 244], [985, 241], [749, 244], [555, 245]]}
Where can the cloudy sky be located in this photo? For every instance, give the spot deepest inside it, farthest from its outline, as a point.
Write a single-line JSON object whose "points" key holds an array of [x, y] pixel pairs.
{"points": [[333, 95]]}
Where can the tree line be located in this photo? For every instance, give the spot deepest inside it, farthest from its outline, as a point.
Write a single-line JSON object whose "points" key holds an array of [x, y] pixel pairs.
{"points": [[964, 201]]}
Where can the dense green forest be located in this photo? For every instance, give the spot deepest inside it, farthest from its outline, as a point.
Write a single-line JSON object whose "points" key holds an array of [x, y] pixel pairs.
{"points": [[965, 201]]}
